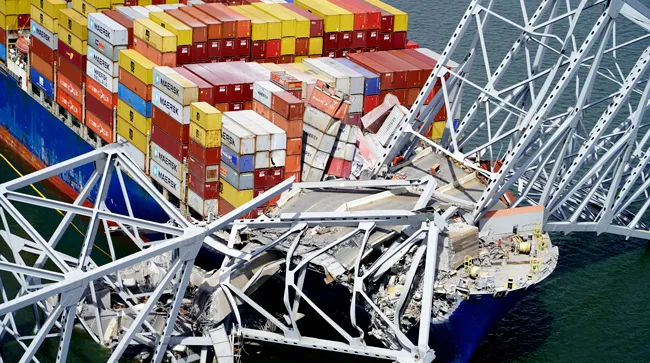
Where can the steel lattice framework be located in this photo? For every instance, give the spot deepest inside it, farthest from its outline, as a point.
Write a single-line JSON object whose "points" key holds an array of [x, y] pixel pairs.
{"points": [[562, 115]]}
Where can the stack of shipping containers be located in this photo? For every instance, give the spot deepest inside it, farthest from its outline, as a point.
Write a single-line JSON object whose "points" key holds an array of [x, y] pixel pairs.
{"points": [[288, 23], [106, 38], [171, 96], [268, 33], [183, 39], [71, 72], [155, 42], [204, 159], [44, 42], [338, 26], [316, 31], [214, 43], [198, 51], [134, 104], [235, 32], [14, 15], [393, 28]]}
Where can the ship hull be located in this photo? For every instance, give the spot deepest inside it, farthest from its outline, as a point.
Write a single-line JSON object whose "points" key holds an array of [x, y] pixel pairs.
{"points": [[41, 139]]}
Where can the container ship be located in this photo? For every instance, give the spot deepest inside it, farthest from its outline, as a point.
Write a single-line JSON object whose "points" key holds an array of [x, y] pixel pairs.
{"points": [[217, 102]]}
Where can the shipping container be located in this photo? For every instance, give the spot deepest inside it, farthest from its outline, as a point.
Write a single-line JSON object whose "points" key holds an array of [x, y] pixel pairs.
{"points": [[287, 105], [50, 7], [42, 50], [98, 108], [199, 28], [206, 156], [156, 36], [267, 178], [174, 109], [124, 21], [207, 173], [214, 25], [180, 132], [73, 90], [205, 208], [385, 73], [405, 75], [183, 32], [292, 128], [47, 37], [108, 98], [133, 100], [205, 116], [240, 163], [236, 137], [206, 90], [72, 40], [234, 197], [100, 127], [288, 22], [104, 63], [45, 20], [203, 189], [241, 181], [12, 7], [243, 24], [44, 84], [174, 85], [75, 108], [228, 23], [134, 84], [371, 80], [130, 115], [167, 161], [133, 135], [221, 90], [110, 51], [167, 142], [400, 18], [137, 65], [74, 22], [167, 180], [316, 26]]}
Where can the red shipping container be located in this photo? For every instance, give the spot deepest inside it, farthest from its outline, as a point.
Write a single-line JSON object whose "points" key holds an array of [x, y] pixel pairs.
{"points": [[373, 13], [225, 208], [157, 2], [229, 49], [98, 108], [353, 119], [275, 60], [132, 2], [248, 105], [3, 36], [372, 38], [371, 50], [358, 39], [339, 168], [228, 24], [360, 16], [73, 73], [199, 52], [69, 104], [140, 46], [215, 48], [287, 105], [23, 21], [331, 41], [342, 53], [101, 93], [292, 128], [292, 164], [412, 95], [331, 54], [123, 20], [99, 127], [272, 202], [168, 143], [294, 147], [386, 41], [203, 189], [243, 24], [258, 49], [220, 88], [214, 25], [206, 156], [267, 178], [184, 54], [425, 68], [66, 52], [161, 59], [387, 22], [345, 40], [360, 50], [62, 82], [175, 129], [199, 28], [286, 59], [302, 46], [235, 106], [370, 103], [399, 40], [138, 87], [209, 172], [411, 73], [261, 109], [243, 47], [297, 176], [315, 22], [236, 85], [206, 90], [273, 49], [39, 48]]}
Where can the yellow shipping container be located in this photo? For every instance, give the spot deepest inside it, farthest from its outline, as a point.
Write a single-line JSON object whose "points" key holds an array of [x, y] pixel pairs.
{"points": [[401, 18], [330, 17], [299, 59], [203, 137], [137, 138], [302, 24], [45, 20], [117, 2], [346, 18], [130, 115], [205, 115], [8, 22], [136, 64], [288, 46], [50, 7], [14, 7], [259, 27], [234, 197], [277, 11], [155, 35], [72, 40], [144, 2], [76, 23], [182, 31], [315, 45], [101, 4], [273, 27], [84, 8]]}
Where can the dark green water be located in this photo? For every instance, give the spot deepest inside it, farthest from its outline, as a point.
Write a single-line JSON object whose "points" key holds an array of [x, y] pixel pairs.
{"points": [[592, 309]]}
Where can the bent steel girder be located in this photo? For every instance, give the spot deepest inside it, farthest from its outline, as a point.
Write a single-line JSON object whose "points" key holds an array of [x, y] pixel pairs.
{"points": [[558, 117], [57, 290]]}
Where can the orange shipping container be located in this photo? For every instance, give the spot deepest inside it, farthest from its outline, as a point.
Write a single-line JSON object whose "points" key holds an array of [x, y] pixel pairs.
{"points": [[292, 163], [74, 107], [214, 25], [199, 29], [70, 87], [137, 86], [101, 93], [99, 127], [44, 68], [294, 146], [292, 128]]}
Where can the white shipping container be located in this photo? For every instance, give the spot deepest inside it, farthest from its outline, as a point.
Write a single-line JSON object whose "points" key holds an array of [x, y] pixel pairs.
{"points": [[45, 36], [174, 109], [262, 160], [262, 137], [318, 119], [131, 13], [278, 136], [305, 172], [174, 85], [278, 158], [101, 77], [107, 28], [110, 51], [144, 12], [241, 181], [166, 160], [169, 6], [202, 207], [237, 138], [103, 62], [318, 139], [263, 90], [348, 133], [356, 105], [133, 152], [153, 9], [341, 81], [313, 175], [357, 81], [391, 123], [308, 153], [320, 160], [343, 150], [260, 69], [166, 179]]}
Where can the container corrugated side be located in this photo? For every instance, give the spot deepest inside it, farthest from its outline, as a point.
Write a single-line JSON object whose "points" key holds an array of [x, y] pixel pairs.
{"points": [[156, 36], [103, 62], [206, 116], [74, 22], [237, 138], [175, 85], [183, 32], [174, 109], [108, 29], [137, 65], [166, 179], [50, 7], [104, 79], [108, 50]]}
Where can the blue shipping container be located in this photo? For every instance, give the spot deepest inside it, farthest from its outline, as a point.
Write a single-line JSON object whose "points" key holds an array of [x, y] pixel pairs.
{"points": [[41, 82], [143, 107], [371, 84], [3, 52], [241, 163]]}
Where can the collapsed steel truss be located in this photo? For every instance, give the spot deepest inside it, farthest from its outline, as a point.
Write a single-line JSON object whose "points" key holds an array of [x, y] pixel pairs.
{"points": [[561, 115], [57, 293]]}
